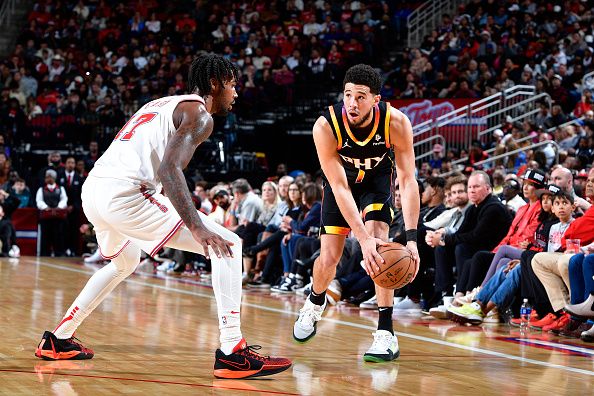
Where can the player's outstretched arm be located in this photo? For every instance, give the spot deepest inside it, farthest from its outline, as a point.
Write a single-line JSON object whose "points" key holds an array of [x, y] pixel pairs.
{"points": [[195, 126], [330, 161], [401, 136]]}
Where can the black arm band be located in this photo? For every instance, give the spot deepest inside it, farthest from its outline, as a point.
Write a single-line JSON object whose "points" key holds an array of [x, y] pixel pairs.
{"points": [[411, 235]]}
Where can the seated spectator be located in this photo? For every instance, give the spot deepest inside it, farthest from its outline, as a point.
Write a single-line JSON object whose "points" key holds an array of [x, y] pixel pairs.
{"points": [[484, 225], [275, 231], [581, 279], [246, 206], [511, 195], [253, 229], [306, 226], [221, 212], [483, 264], [22, 192], [552, 269], [498, 293], [50, 197], [563, 178], [432, 206], [8, 247]]}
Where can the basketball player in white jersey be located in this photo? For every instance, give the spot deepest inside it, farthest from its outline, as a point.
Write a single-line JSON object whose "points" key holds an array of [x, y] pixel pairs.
{"points": [[137, 199]]}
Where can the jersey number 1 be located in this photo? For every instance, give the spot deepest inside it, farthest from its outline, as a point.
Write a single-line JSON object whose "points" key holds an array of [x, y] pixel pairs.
{"points": [[129, 128]]}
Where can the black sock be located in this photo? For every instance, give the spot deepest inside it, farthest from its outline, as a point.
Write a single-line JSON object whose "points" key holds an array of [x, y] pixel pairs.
{"points": [[317, 299], [385, 319]]}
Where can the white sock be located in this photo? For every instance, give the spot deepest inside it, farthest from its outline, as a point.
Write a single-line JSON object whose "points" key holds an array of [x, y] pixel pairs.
{"points": [[226, 280], [97, 288]]}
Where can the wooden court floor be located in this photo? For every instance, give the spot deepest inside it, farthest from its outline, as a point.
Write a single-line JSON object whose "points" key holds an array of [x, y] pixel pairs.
{"points": [[157, 335]]}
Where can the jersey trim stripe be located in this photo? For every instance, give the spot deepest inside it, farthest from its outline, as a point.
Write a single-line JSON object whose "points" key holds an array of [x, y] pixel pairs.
{"points": [[115, 255], [335, 230], [373, 131], [167, 238], [360, 176], [336, 128], [372, 207], [387, 125]]}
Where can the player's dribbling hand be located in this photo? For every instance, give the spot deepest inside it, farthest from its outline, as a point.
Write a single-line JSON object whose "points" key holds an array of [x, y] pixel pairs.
{"points": [[208, 238], [371, 258]]}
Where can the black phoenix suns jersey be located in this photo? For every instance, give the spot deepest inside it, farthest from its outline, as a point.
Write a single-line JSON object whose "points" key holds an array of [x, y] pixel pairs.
{"points": [[364, 152]]}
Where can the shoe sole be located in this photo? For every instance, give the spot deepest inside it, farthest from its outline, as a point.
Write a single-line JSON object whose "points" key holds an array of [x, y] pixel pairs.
{"points": [[235, 374], [49, 355], [577, 315], [440, 314], [588, 338], [309, 337], [473, 320], [411, 311], [376, 359]]}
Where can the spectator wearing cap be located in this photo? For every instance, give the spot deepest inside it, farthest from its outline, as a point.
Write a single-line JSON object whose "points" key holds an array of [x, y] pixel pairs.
{"points": [[56, 67], [52, 196], [563, 178], [511, 195], [581, 179], [559, 94], [497, 138]]}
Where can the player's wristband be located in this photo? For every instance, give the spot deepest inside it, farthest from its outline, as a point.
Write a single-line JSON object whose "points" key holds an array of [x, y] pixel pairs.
{"points": [[411, 235]]}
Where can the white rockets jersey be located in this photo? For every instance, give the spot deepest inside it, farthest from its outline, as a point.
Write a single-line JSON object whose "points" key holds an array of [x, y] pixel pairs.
{"points": [[138, 149]]}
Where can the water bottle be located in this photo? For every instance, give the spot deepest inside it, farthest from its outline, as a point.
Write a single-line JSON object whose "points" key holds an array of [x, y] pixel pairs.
{"points": [[525, 312]]}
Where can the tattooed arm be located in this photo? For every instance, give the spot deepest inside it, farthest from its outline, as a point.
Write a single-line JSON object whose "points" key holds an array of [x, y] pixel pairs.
{"points": [[194, 125]]}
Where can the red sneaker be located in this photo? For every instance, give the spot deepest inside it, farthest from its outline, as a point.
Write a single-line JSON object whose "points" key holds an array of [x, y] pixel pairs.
{"points": [[51, 348], [559, 324], [244, 362], [547, 320], [516, 322]]}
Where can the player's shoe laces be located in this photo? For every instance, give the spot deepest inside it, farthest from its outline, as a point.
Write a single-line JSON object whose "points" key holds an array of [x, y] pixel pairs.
{"points": [[52, 348], [384, 347], [245, 362], [305, 325]]}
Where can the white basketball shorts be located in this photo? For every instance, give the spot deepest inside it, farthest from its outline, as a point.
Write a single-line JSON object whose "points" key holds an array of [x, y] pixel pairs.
{"points": [[124, 212]]}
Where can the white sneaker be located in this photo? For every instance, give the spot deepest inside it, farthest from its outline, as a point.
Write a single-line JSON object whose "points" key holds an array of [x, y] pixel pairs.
{"points": [[369, 304], [302, 290], [492, 316], [440, 312], [14, 252], [305, 325], [166, 265], [397, 300], [334, 292], [94, 258], [407, 306], [384, 347]]}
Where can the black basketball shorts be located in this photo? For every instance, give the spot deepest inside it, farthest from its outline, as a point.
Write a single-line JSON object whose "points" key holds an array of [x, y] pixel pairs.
{"points": [[373, 200]]}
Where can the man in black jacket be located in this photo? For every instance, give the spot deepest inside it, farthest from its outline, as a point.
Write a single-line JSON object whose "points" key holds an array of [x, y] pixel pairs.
{"points": [[72, 183], [485, 224]]}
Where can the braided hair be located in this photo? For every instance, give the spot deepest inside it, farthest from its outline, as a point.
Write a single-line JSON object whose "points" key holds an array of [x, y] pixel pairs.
{"points": [[206, 67], [362, 74]]}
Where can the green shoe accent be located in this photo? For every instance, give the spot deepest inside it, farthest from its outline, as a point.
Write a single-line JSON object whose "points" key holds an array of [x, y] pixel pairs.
{"points": [[369, 358], [471, 312]]}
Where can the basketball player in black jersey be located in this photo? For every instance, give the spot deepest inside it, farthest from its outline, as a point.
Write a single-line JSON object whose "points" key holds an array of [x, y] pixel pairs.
{"points": [[355, 141]]}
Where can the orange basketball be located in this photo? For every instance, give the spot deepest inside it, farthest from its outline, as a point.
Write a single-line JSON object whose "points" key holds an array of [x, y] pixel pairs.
{"points": [[398, 269]]}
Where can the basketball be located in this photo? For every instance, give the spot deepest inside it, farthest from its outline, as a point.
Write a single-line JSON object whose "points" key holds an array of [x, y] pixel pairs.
{"points": [[398, 269]]}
